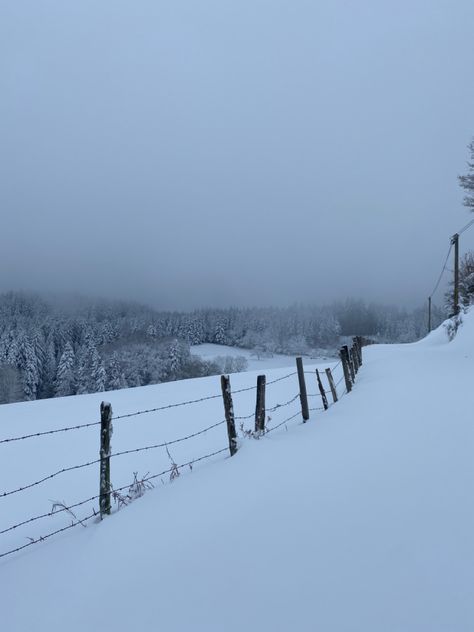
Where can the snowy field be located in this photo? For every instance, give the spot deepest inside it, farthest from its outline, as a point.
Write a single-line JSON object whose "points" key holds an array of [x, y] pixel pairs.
{"points": [[254, 363], [361, 520]]}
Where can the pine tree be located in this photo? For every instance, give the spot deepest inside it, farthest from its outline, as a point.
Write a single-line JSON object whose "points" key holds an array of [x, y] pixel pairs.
{"points": [[115, 375], [64, 382], [467, 181], [99, 375]]}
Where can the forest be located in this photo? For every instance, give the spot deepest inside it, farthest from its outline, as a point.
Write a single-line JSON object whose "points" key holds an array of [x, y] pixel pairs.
{"points": [[54, 347]]}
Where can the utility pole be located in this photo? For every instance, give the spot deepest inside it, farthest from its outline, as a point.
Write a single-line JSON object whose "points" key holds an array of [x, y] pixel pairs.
{"points": [[455, 243]]}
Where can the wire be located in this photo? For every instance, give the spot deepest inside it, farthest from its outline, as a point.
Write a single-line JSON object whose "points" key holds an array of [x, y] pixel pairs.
{"points": [[468, 225], [442, 271], [135, 414], [49, 535], [95, 461], [167, 407], [50, 432], [95, 513], [285, 377], [277, 406]]}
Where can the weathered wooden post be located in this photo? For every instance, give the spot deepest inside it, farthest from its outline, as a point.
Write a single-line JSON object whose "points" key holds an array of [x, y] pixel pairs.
{"points": [[260, 405], [355, 358], [229, 413], [322, 391], [355, 342], [349, 363], [105, 435], [345, 368], [359, 348], [303, 393], [332, 386]]}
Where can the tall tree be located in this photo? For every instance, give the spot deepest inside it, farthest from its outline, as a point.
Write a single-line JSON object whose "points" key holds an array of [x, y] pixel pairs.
{"points": [[64, 383], [467, 181]]}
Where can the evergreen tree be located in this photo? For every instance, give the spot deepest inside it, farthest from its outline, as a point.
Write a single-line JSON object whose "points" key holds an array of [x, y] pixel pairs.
{"points": [[64, 383], [467, 181]]}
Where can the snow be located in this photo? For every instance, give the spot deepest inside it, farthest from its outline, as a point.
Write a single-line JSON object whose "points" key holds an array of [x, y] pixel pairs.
{"points": [[275, 361], [361, 519]]}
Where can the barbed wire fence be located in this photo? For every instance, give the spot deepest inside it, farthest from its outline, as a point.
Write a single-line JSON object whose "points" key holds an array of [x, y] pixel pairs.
{"points": [[266, 420]]}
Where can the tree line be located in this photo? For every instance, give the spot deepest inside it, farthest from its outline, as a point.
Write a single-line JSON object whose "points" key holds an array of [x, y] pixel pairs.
{"points": [[52, 348]]}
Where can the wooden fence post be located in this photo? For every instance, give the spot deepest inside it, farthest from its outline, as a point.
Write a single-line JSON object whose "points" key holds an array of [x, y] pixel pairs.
{"points": [[260, 405], [358, 349], [332, 386], [105, 434], [345, 368], [229, 413], [349, 363], [303, 393], [355, 358], [322, 391]]}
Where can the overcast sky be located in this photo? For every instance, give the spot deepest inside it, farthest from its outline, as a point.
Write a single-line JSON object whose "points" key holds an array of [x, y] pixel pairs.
{"points": [[215, 152]]}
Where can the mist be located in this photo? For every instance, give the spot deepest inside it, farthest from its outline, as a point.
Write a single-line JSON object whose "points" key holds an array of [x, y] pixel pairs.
{"points": [[219, 153]]}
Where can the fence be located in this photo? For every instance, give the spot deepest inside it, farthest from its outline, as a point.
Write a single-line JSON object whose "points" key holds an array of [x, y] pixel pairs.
{"points": [[263, 418]]}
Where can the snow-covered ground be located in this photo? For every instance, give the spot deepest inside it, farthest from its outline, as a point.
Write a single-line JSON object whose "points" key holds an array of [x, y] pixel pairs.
{"points": [[360, 520], [254, 363]]}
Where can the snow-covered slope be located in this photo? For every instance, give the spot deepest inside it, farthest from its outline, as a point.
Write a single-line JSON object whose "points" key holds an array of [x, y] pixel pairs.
{"points": [[360, 520]]}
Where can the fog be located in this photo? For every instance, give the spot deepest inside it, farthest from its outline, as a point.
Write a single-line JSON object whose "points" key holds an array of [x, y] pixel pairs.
{"points": [[186, 153]]}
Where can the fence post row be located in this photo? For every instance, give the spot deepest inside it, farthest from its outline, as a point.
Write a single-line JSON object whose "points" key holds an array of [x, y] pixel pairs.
{"points": [[332, 386], [229, 413], [321, 390], [105, 435], [260, 405], [303, 393]]}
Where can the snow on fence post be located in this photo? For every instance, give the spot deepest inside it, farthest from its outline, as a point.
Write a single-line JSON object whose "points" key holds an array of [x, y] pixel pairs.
{"points": [[229, 413], [321, 390], [303, 393], [332, 386], [355, 359], [260, 405], [105, 434], [344, 355], [350, 364]]}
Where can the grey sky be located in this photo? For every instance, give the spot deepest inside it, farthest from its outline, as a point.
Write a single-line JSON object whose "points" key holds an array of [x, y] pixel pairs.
{"points": [[195, 152]]}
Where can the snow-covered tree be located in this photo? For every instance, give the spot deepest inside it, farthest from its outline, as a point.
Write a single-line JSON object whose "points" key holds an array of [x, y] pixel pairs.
{"points": [[65, 382], [467, 181]]}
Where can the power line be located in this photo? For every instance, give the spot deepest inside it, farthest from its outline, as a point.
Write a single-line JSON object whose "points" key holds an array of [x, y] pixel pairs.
{"points": [[442, 271], [464, 228]]}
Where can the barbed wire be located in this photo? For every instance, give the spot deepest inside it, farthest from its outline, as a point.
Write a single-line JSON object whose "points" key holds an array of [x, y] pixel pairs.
{"points": [[277, 406], [318, 394], [134, 414], [115, 454], [50, 535], [244, 417], [92, 498], [269, 410], [280, 379], [282, 422], [47, 478], [50, 432], [167, 407]]}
